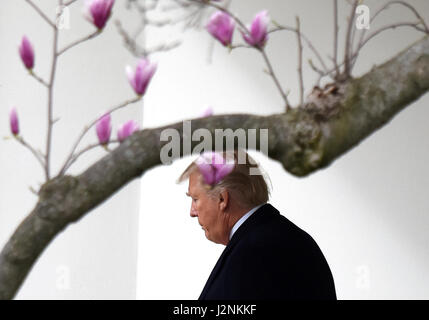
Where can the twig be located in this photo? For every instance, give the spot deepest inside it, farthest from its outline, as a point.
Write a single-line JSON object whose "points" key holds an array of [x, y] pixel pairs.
{"points": [[41, 13], [337, 70], [391, 26], [86, 129], [276, 81], [50, 98], [348, 37], [143, 22], [79, 153], [237, 46], [35, 76], [162, 48], [131, 41], [384, 7], [305, 38], [88, 37], [214, 5], [403, 3], [69, 2], [301, 80], [128, 41], [34, 152], [372, 35]]}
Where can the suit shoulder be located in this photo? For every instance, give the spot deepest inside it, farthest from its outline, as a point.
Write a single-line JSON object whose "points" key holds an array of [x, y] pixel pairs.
{"points": [[277, 233]]}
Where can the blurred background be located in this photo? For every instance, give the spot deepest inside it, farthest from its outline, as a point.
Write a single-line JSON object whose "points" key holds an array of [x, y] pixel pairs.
{"points": [[368, 211]]}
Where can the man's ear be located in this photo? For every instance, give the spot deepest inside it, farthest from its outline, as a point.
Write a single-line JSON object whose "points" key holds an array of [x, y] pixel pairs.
{"points": [[223, 200]]}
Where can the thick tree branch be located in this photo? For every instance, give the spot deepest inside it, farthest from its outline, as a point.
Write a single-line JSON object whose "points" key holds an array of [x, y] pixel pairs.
{"points": [[303, 140]]}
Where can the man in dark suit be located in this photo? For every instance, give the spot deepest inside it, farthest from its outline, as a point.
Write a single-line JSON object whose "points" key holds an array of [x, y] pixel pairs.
{"points": [[266, 255]]}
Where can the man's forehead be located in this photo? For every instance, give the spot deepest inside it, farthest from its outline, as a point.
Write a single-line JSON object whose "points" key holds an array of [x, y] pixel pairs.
{"points": [[193, 182]]}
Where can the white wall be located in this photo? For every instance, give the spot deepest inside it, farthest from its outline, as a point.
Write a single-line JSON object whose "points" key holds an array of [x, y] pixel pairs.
{"points": [[368, 211]]}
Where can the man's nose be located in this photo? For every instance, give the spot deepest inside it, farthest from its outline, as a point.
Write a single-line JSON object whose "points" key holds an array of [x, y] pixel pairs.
{"points": [[193, 212]]}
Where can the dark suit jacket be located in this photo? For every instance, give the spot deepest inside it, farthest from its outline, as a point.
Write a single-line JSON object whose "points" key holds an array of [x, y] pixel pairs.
{"points": [[269, 257]]}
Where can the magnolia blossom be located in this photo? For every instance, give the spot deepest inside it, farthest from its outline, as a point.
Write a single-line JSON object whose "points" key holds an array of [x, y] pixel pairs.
{"points": [[13, 119], [27, 53], [104, 129], [98, 11], [140, 78], [258, 34], [221, 26], [214, 167], [127, 129]]}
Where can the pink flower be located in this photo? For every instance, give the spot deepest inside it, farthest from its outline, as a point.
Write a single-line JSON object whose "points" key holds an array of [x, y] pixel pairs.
{"points": [[214, 167], [127, 129], [258, 35], [221, 26], [207, 113], [103, 129], [98, 11], [27, 53], [140, 78], [13, 119]]}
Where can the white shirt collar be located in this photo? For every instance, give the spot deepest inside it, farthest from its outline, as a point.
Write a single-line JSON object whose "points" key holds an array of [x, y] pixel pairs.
{"points": [[242, 219]]}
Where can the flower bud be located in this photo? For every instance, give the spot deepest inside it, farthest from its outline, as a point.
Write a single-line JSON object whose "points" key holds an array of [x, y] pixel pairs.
{"points": [[27, 53], [258, 34], [214, 167], [98, 11], [13, 120], [127, 129], [104, 129], [221, 26], [140, 78]]}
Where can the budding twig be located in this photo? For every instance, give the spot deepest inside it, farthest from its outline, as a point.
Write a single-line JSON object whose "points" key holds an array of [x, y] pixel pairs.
{"points": [[32, 150], [67, 3], [50, 97], [276, 81], [88, 37], [86, 129], [35, 76], [82, 151], [305, 38]]}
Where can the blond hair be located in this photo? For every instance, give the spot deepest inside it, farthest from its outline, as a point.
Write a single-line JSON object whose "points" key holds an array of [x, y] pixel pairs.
{"points": [[246, 183]]}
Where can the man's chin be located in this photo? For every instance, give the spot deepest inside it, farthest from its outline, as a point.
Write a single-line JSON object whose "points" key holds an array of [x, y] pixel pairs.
{"points": [[206, 233]]}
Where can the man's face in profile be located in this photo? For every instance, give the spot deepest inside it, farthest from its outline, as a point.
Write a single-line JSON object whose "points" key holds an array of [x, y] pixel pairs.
{"points": [[205, 208]]}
